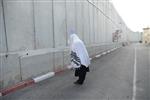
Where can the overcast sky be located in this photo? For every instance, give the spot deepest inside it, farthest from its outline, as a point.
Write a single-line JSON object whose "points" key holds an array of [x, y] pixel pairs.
{"points": [[135, 13]]}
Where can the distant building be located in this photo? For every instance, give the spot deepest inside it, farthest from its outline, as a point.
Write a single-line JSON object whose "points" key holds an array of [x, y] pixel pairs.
{"points": [[146, 35]]}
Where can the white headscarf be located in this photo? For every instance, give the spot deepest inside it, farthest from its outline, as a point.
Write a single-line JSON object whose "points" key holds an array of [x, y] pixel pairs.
{"points": [[79, 53]]}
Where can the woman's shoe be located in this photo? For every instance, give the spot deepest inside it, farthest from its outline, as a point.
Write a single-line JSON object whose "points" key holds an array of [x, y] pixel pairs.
{"points": [[78, 83]]}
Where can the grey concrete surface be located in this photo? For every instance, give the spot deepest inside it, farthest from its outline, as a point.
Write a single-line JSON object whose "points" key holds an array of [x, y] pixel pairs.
{"points": [[19, 24], [110, 78], [43, 24], [143, 73], [33, 26], [86, 22], [91, 26], [58, 61], [60, 26], [2, 31], [10, 72], [66, 58], [95, 15], [41, 64], [70, 15], [79, 19]]}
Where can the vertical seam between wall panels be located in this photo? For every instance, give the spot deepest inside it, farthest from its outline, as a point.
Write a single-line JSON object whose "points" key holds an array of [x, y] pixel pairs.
{"points": [[51, 11], [66, 22], [75, 15], [86, 22], [53, 27], [97, 26], [63, 58], [34, 31], [89, 22], [20, 68], [93, 23], [2, 78], [106, 25], [82, 14], [4, 21], [66, 31]]}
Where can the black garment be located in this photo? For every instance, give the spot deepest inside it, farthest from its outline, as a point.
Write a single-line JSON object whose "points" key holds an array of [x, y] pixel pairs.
{"points": [[81, 73]]}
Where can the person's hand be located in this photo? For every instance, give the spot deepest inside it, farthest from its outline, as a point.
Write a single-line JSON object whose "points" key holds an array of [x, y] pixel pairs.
{"points": [[70, 67]]}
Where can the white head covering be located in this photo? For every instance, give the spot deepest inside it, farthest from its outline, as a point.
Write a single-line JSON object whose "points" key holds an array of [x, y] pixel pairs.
{"points": [[79, 51]]}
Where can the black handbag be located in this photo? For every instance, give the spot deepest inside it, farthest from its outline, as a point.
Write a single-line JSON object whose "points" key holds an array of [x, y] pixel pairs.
{"points": [[77, 72]]}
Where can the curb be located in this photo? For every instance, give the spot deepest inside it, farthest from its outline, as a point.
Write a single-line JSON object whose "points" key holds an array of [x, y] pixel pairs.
{"points": [[29, 82], [16, 87], [106, 52], [38, 79]]}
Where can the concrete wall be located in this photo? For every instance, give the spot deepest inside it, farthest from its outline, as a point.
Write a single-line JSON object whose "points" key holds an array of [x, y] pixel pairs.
{"points": [[2, 31], [19, 25], [43, 19], [79, 19], [34, 34], [70, 16], [10, 70], [135, 36], [59, 15]]}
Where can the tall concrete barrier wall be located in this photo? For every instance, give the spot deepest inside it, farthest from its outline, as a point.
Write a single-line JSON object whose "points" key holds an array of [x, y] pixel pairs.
{"points": [[135, 37], [34, 34]]}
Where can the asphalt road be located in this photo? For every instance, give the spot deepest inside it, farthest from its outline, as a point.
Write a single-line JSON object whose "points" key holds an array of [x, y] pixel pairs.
{"points": [[121, 75], [143, 73]]}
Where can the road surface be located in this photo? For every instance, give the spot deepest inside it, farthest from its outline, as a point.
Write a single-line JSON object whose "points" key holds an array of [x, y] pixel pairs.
{"points": [[121, 75]]}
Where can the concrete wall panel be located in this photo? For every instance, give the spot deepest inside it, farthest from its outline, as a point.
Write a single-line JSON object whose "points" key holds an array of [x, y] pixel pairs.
{"points": [[111, 32], [43, 24], [79, 19], [58, 60], [96, 24], [2, 31], [86, 22], [108, 31], [60, 23], [10, 70], [66, 58], [97, 50], [97, 30], [135, 36], [71, 15], [104, 29], [91, 51], [102, 48], [34, 65], [100, 4], [19, 24], [92, 37], [100, 25], [108, 47]]}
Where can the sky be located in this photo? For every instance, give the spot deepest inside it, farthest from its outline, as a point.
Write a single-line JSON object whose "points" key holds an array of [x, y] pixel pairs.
{"points": [[135, 13]]}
